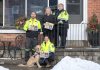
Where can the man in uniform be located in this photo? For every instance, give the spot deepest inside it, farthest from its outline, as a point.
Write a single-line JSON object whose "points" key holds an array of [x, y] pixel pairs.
{"points": [[62, 26], [32, 28]]}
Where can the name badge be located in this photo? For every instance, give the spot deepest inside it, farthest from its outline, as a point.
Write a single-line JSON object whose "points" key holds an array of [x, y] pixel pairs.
{"points": [[44, 55], [33, 28], [48, 25]]}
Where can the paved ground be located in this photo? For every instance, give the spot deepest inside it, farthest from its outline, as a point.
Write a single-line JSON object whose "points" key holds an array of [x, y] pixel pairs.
{"points": [[15, 67], [12, 65]]}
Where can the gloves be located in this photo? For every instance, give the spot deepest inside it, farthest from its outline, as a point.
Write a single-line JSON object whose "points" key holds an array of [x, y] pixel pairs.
{"points": [[60, 22]]}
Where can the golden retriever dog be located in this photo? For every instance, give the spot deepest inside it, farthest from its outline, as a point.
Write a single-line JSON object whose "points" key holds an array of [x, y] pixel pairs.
{"points": [[33, 59]]}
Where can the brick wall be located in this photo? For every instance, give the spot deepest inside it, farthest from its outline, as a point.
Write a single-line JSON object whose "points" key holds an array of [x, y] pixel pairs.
{"points": [[9, 37], [94, 6]]}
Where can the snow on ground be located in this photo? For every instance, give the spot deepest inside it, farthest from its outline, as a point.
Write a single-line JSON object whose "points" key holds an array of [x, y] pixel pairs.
{"points": [[2, 68], [68, 63]]}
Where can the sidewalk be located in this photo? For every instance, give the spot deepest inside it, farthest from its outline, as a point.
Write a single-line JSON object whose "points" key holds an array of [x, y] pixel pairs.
{"points": [[12, 65], [15, 67]]}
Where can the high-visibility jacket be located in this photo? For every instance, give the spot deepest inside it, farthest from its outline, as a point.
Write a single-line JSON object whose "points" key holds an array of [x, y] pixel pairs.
{"points": [[63, 15], [47, 47], [33, 22], [32, 33]]}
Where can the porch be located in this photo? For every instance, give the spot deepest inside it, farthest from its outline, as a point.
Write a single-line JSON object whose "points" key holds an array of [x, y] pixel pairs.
{"points": [[84, 53]]}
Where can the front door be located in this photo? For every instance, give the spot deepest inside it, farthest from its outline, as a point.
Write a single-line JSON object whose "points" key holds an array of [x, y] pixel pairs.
{"points": [[77, 29], [75, 9]]}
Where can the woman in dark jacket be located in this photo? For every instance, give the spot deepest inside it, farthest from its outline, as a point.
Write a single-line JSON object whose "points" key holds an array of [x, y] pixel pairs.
{"points": [[48, 17]]}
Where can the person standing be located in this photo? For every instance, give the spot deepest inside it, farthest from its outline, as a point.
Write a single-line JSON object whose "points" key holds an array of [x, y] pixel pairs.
{"points": [[32, 28], [62, 25], [48, 18]]}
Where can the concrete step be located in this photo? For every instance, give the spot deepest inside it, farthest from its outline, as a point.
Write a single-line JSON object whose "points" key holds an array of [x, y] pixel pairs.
{"points": [[15, 67], [92, 54]]}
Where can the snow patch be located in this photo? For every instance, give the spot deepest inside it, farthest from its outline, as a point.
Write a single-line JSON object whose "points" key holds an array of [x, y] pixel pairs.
{"points": [[68, 63], [2, 68]]}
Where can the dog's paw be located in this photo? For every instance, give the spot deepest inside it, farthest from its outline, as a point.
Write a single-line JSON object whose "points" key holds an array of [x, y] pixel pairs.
{"points": [[39, 66], [21, 65]]}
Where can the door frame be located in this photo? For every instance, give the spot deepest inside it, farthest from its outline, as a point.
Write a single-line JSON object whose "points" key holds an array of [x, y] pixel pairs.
{"points": [[78, 31], [85, 9]]}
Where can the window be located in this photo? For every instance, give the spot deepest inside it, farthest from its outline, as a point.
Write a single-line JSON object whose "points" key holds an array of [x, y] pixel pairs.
{"points": [[73, 7], [1, 12], [13, 10], [36, 6]]}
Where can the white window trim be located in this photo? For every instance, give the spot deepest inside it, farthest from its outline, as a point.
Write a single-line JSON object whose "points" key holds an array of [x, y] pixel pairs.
{"points": [[85, 11], [48, 3], [11, 30], [6, 31], [25, 8], [3, 13]]}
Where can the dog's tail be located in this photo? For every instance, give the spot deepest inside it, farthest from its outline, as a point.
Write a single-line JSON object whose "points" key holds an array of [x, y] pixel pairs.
{"points": [[22, 65]]}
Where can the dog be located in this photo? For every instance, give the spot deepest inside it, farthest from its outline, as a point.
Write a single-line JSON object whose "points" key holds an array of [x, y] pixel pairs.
{"points": [[33, 59]]}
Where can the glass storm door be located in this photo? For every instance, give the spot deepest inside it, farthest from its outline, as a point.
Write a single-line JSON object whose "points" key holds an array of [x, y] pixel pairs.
{"points": [[75, 9]]}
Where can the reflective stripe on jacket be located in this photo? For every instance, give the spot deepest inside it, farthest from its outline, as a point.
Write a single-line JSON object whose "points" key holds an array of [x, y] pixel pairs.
{"points": [[47, 47], [33, 22], [63, 15]]}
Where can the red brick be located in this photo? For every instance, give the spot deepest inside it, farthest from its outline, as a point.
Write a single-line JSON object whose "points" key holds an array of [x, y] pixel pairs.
{"points": [[94, 6]]}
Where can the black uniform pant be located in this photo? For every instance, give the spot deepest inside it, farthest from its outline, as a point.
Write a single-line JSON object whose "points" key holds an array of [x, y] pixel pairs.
{"points": [[60, 30], [49, 33], [30, 44], [49, 60]]}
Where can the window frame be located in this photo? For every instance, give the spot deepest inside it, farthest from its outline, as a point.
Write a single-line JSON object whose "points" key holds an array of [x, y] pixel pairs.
{"points": [[85, 15], [13, 27], [1, 14], [8, 27]]}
